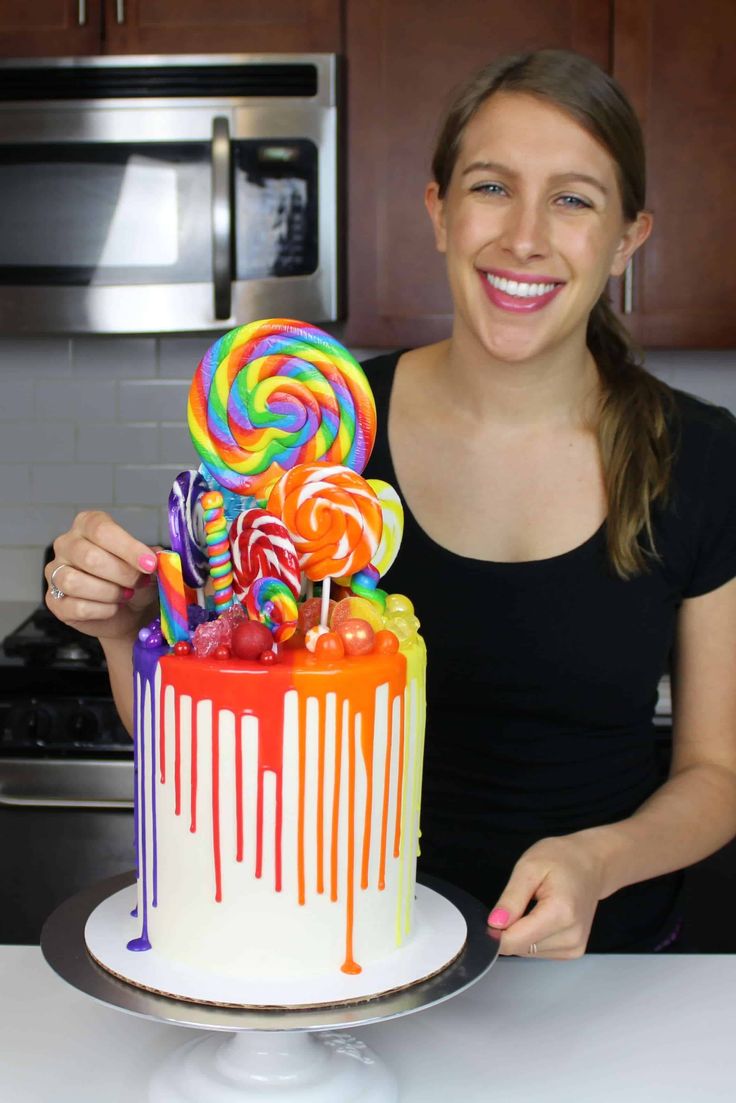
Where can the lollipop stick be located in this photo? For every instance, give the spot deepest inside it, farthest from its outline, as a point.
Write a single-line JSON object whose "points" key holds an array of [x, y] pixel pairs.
{"points": [[324, 607]]}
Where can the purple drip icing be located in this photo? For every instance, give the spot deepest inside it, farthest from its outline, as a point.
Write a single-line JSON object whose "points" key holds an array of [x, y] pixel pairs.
{"points": [[144, 662]]}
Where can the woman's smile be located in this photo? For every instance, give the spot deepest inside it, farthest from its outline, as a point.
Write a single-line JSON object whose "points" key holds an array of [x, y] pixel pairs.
{"points": [[517, 292]]}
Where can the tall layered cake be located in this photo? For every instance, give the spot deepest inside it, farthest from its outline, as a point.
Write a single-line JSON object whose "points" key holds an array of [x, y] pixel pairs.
{"points": [[280, 695]]}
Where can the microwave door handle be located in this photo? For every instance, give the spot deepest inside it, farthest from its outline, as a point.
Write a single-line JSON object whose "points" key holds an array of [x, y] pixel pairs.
{"points": [[42, 801], [221, 217]]}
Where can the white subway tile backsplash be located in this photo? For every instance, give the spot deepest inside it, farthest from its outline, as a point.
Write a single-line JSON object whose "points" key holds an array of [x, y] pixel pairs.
{"points": [[21, 577], [16, 398], [88, 483], [15, 485], [42, 357], [114, 357], [175, 446], [114, 443], [76, 399], [159, 400], [36, 441], [27, 525], [142, 523], [179, 356], [143, 485]]}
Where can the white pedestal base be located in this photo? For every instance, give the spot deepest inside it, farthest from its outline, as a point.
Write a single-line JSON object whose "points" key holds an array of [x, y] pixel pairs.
{"points": [[274, 1067]]}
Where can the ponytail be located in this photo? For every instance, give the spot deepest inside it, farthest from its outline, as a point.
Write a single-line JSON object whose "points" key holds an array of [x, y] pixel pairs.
{"points": [[634, 438]]}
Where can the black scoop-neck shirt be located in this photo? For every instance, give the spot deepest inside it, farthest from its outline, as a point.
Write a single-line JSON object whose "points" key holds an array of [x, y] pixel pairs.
{"points": [[543, 675]]}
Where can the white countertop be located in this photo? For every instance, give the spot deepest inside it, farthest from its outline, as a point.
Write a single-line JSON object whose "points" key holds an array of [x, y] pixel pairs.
{"points": [[639, 1028]]}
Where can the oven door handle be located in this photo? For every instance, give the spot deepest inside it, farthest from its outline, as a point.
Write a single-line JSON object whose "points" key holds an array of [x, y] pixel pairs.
{"points": [[62, 802], [222, 217]]}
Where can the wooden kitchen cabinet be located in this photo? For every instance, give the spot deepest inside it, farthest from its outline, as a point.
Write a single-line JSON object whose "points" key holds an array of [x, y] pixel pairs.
{"points": [[59, 28], [50, 28], [404, 57], [676, 61], [222, 26]]}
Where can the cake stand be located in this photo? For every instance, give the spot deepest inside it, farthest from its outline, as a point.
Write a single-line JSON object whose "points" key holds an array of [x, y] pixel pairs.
{"points": [[282, 1056]]}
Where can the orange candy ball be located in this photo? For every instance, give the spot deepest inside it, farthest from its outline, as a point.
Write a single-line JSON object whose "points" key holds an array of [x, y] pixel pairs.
{"points": [[357, 636], [386, 642], [329, 646]]}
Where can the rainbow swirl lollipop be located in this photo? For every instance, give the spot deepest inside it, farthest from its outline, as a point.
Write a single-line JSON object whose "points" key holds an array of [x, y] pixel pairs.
{"points": [[270, 601], [277, 393]]}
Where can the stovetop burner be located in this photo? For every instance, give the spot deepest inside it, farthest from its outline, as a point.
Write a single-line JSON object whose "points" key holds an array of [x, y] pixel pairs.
{"points": [[55, 698]]}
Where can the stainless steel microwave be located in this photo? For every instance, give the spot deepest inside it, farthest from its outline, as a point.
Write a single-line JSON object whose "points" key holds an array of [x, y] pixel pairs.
{"points": [[167, 194]]}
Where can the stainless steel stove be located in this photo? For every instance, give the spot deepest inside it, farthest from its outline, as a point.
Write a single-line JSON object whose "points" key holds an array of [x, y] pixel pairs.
{"points": [[66, 773]]}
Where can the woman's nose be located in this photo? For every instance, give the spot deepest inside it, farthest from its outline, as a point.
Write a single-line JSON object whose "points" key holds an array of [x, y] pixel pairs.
{"points": [[525, 232]]}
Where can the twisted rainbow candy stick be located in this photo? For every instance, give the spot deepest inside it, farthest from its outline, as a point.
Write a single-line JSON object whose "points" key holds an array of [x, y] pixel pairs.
{"points": [[365, 584], [270, 601], [218, 549], [333, 517], [277, 393], [172, 597]]}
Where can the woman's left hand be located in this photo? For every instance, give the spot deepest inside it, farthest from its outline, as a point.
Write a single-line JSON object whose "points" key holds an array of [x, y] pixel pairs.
{"points": [[565, 877]]}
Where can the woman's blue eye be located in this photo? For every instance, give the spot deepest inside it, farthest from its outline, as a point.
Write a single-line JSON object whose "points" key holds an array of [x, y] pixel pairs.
{"points": [[573, 201], [488, 189]]}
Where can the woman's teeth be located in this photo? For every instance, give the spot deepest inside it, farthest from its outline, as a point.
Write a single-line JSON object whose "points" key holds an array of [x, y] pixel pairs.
{"points": [[519, 289]]}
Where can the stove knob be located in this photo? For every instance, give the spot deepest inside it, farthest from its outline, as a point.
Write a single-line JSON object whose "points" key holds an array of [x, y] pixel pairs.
{"points": [[82, 726], [30, 724]]}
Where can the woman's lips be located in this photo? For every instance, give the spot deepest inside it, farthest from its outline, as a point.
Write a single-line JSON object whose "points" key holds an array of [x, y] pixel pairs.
{"points": [[515, 303]]}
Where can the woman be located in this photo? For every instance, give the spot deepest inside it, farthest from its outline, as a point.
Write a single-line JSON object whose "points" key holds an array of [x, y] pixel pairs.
{"points": [[570, 524]]}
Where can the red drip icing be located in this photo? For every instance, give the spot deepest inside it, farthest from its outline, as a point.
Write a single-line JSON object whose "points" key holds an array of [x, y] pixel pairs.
{"points": [[238, 793], [216, 807]]}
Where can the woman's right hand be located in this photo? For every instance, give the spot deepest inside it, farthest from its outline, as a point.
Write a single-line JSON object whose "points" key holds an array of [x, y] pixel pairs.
{"points": [[107, 578]]}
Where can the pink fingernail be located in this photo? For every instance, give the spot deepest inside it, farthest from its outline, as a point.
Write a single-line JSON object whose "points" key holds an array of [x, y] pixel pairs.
{"points": [[127, 593], [499, 917], [147, 563]]}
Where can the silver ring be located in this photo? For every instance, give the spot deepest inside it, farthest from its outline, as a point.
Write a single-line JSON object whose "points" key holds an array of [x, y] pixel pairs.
{"points": [[53, 588], [533, 949]]}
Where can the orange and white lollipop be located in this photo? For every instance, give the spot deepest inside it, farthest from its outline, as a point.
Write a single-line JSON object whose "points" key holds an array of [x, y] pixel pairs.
{"points": [[333, 516]]}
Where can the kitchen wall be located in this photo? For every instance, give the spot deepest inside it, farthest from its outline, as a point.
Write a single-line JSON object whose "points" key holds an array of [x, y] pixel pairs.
{"points": [[101, 422]]}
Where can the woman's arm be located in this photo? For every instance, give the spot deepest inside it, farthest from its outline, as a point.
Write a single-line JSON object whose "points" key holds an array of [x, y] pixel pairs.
{"points": [[106, 577], [689, 817]]}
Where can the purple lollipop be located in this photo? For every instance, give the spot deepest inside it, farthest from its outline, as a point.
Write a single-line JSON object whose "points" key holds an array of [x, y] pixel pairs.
{"points": [[186, 526]]}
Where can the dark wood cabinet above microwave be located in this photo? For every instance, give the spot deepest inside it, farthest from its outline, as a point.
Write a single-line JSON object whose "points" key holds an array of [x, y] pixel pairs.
{"points": [[63, 28]]}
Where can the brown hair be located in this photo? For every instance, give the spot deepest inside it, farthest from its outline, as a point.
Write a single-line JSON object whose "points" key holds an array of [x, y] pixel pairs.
{"points": [[632, 426]]}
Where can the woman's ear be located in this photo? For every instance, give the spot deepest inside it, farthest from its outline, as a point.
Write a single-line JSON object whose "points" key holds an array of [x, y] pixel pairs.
{"points": [[634, 235], [436, 208]]}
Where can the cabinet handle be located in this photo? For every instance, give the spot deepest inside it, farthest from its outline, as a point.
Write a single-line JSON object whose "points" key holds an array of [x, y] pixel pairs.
{"points": [[221, 217], [120, 11], [82, 12], [629, 287]]}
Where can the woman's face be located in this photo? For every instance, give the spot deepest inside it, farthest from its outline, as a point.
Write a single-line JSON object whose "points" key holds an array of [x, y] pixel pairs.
{"points": [[532, 227]]}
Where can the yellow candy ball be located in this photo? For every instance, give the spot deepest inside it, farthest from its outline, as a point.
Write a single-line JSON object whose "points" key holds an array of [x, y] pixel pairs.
{"points": [[398, 604]]}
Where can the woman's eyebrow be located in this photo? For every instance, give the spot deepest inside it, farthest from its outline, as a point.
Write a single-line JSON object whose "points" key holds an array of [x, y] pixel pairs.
{"points": [[558, 178]]}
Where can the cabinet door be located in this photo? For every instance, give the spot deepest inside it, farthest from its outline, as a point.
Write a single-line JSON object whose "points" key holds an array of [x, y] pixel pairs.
{"points": [[405, 56], [676, 61], [50, 28], [222, 26]]}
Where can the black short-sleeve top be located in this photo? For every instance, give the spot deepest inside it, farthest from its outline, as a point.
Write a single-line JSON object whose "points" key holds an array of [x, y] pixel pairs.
{"points": [[543, 675]]}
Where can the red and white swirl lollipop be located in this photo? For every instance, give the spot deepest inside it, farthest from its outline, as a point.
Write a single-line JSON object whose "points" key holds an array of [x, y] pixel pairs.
{"points": [[261, 547]]}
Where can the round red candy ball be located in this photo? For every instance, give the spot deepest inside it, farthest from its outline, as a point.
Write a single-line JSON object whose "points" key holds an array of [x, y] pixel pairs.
{"points": [[222, 651], [357, 636], [182, 647], [250, 639], [268, 658]]}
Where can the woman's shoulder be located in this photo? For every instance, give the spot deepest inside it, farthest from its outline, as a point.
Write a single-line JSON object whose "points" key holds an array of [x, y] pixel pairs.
{"points": [[704, 433]]}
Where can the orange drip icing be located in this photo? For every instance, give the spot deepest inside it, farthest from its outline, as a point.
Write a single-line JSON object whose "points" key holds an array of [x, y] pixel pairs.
{"points": [[350, 965], [321, 806], [366, 746]]}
